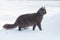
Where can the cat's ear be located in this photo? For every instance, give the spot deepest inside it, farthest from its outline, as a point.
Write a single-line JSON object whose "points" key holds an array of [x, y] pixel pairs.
{"points": [[43, 7]]}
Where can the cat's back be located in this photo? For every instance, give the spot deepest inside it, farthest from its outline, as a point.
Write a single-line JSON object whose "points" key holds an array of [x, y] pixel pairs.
{"points": [[27, 16]]}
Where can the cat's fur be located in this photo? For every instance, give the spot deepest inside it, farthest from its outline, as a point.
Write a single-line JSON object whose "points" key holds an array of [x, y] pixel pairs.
{"points": [[28, 20]]}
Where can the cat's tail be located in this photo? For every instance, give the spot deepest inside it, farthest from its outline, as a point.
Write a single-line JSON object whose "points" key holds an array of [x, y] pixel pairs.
{"points": [[10, 26]]}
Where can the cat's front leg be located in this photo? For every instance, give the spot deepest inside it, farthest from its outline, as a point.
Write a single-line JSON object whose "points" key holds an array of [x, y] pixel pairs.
{"points": [[34, 27], [39, 26]]}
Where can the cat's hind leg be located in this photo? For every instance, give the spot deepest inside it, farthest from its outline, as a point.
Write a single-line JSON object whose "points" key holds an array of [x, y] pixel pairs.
{"points": [[19, 29]]}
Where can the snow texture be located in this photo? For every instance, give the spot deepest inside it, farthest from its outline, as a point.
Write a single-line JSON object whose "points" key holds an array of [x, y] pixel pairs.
{"points": [[10, 10]]}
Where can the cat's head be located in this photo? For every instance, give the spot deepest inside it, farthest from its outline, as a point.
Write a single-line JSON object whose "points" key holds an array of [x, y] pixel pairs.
{"points": [[42, 11]]}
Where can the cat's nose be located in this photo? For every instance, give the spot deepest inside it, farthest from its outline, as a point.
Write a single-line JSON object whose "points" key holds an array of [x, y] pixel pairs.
{"points": [[45, 12]]}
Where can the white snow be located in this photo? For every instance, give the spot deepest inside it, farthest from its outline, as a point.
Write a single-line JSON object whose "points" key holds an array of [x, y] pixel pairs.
{"points": [[10, 10]]}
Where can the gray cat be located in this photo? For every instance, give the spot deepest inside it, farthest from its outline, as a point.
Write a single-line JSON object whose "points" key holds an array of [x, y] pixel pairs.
{"points": [[27, 20]]}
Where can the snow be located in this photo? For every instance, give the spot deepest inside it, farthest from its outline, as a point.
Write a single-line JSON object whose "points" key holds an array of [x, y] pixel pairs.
{"points": [[10, 10]]}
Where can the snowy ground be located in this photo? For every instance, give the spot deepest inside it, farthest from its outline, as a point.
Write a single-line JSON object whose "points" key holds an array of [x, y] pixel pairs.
{"points": [[10, 10]]}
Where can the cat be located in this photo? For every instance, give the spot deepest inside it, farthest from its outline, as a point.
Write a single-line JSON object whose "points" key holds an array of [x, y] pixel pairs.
{"points": [[27, 20]]}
